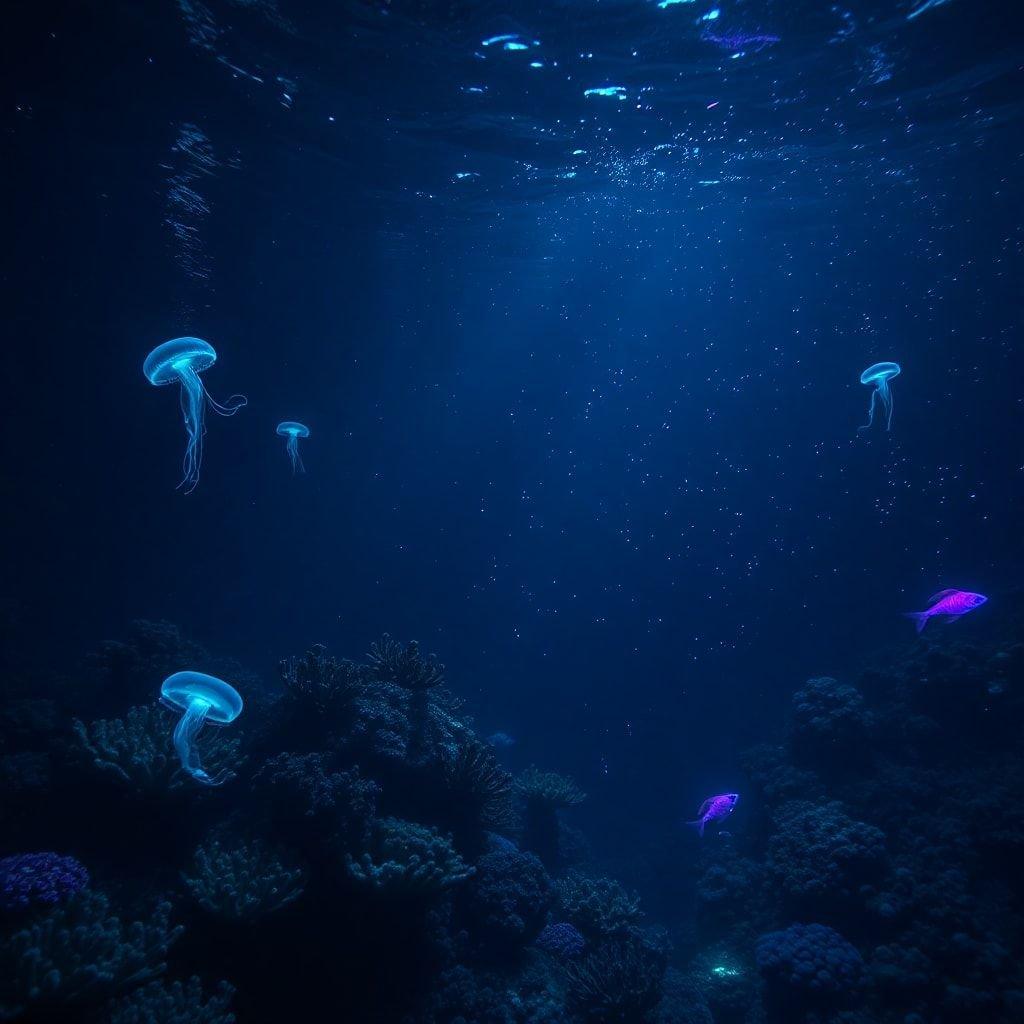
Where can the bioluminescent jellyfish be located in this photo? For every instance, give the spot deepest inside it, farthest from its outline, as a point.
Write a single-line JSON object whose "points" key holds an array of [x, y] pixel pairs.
{"points": [[201, 699], [878, 376], [293, 431], [180, 361]]}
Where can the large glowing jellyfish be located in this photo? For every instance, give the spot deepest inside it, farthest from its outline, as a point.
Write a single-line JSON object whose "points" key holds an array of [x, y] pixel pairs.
{"points": [[293, 431], [180, 361], [878, 376], [203, 699]]}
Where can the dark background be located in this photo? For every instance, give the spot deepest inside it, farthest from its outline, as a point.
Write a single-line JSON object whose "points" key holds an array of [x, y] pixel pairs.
{"points": [[591, 440]]}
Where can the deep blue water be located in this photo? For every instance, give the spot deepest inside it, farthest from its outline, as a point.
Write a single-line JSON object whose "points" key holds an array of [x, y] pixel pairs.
{"points": [[582, 379]]}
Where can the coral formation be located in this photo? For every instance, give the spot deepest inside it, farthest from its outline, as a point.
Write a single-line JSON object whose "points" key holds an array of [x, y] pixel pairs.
{"points": [[78, 954], [599, 907], [161, 1002], [39, 879], [810, 959], [242, 881]]}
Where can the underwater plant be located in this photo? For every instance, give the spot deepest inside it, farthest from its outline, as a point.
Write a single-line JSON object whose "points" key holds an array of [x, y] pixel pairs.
{"points": [[293, 431], [180, 361], [878, 376], [203, 699]]}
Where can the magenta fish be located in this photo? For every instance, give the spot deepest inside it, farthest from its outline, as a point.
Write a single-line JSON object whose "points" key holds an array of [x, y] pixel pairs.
{"points": [[948, 605], [715, 808]]}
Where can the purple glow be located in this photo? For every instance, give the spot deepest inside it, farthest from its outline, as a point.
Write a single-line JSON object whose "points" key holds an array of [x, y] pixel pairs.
{"points": [[746, 41], [715, 808]]}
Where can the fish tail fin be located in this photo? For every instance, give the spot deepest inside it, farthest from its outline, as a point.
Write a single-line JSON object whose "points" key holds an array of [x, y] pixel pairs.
{"points": [[920, 619], [698, 825]]}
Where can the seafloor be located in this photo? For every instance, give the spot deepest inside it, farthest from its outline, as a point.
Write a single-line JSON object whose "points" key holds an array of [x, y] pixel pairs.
{"points": [[370, 859]]}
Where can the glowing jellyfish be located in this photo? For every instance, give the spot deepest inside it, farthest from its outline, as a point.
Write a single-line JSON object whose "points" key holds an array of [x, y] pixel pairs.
{"points": [[878, 376], [202, 699], [293, 431], [180, 361]]}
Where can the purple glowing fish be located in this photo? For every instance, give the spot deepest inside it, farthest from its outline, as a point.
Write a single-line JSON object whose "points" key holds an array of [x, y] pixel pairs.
{"points": [[948, 605], [715, 808]]}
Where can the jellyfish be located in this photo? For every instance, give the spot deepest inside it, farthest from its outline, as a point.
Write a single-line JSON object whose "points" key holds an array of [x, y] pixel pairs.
{"points": [[879, 376], [293, 431], [201, 698], [180, 361]]}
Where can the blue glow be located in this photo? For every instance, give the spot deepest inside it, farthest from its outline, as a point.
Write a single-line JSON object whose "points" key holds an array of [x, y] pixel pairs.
{"points": [[515, 46], [671, 3], [180, 361], [618, 91], [713, 15], [202, 699], [293, 430], [928, 5], [536, 64], [499, 39], [878, 376]]}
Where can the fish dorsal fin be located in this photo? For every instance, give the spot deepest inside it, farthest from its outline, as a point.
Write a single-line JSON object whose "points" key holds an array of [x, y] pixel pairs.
{"points": [[941, 594]]}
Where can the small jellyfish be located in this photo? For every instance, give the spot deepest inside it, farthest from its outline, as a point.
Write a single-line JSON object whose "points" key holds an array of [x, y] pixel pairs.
{"points": [[293, 431], [878, 375], [201, 698], [180, 361]]}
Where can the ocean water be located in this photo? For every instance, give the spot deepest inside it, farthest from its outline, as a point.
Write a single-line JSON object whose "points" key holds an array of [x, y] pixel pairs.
{"points": [[591, 519]]}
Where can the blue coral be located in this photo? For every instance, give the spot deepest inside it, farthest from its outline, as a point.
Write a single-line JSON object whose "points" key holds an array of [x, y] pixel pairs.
{"points": [[506, 901], [561, 940], [810, 960], [39, 879]]}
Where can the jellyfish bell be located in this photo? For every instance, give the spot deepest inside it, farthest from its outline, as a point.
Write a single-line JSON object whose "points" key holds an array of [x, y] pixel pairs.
{"points": [[201, 699], [180, 361], [878, 376], [293, 431]]}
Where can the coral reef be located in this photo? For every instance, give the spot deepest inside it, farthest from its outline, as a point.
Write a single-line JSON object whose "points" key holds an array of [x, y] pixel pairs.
{"points": [[599, 907], [79, 954], [620, 982], [39, 879], [561, 940], [810, 960], [160, 1002], [137, 754], [542, 795], [407, 860], [242, 881]]}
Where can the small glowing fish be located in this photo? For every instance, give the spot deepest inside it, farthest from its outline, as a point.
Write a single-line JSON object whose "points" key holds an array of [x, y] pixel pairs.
{"points": [[948, 605], [715, 808], [671, 3], [618, 91], [711, 106]]}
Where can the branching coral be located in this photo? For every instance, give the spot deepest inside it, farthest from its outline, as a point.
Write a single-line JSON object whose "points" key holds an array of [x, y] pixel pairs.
{"points": [[174, 1003], [506, 901], [320, 684], [818, 851], [599, 907], [242, 881], [406, 860], [618, 983], [478, 786], [404, 666], [315, 803], [137, 753], [80, 954], [39, 879], [542, 795]]}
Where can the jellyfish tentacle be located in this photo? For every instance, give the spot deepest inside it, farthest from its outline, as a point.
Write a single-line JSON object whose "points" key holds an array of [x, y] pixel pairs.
{"points": [[293, 451], [192, 409], [185, 733], [886, 396], [229, 407], [871, 412]]}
